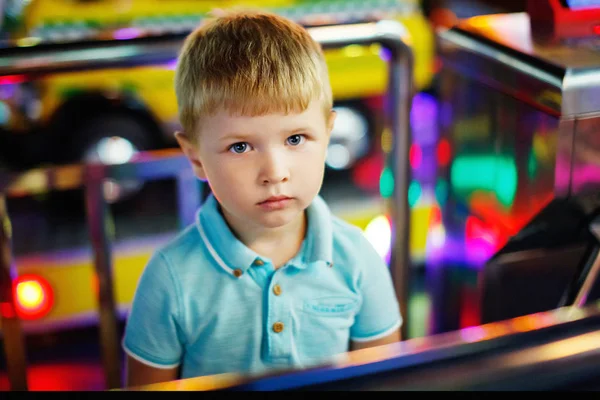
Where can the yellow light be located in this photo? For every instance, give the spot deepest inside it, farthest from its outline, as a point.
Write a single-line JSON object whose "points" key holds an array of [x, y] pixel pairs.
{"points": [[354, 50], [30, 294], [386, 141], [28, 41]]}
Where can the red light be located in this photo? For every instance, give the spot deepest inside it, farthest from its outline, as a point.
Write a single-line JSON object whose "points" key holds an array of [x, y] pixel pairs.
{"points": [[443, 153], [474, 228], [469, 315], [11, 79], [477, 230], [33, 297], [7, 310], [436, 216], [596, 29], [415, 156], [366, 173]]}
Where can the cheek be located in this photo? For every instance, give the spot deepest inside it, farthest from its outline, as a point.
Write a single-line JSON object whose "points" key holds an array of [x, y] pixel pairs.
{"points": [[310, 164], [224, 175], [313, 152]]}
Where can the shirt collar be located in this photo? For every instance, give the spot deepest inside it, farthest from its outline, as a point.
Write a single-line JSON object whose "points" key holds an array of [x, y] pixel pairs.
{"points": [[235, 257], [319, 235]]}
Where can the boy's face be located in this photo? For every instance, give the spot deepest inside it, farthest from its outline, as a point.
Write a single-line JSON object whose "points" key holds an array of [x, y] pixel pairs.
{"points": [[249, 161]]}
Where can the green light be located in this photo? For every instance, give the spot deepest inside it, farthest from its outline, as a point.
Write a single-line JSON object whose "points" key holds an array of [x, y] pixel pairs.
{"points": [[419, 306], [414, 192], [497, 174], [532, 165], [441, 191], [386, 183]]}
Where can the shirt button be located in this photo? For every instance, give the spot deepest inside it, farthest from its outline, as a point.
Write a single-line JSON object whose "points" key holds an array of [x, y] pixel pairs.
{"points": [[237, 272], [259, 262], [277, 290], [278, 327]]}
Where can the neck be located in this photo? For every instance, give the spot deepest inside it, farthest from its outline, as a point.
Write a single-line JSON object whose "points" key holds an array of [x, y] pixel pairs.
{"points": [[278, 244]]}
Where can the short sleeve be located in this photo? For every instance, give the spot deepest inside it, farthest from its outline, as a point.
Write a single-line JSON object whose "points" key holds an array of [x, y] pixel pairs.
{"points": [[379, 314], [152, 333]]}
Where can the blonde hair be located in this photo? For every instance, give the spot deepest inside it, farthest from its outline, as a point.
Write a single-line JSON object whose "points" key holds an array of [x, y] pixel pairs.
{"points": [[248, 63]]}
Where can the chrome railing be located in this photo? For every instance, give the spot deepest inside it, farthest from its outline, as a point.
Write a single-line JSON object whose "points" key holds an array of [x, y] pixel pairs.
{"points": [[147, 166], [155, 165]]}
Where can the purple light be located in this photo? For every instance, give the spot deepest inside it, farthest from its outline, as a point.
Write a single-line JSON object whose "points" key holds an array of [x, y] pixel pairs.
{"points": [[423, 118], [456, 250], [427, 171], [7, 91], [172, 65], [445, 115], [385, 54], [479, 252], [127, 33]]}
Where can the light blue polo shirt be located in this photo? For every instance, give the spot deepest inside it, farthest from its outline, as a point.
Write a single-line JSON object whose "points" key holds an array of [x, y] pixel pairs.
{"points": [[205, 301]]}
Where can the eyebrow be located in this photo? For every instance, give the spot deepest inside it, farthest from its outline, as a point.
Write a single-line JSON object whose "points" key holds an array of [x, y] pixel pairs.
{"points": [[245, 136]]}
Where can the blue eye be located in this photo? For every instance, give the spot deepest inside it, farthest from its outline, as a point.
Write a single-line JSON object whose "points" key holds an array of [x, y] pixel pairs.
{"points": [[295, 140], [239, 148]]}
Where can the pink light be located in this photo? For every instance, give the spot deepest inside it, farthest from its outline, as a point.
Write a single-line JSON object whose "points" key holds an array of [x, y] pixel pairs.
{"points": [[127, 33], [415, 156], [472, 334]]}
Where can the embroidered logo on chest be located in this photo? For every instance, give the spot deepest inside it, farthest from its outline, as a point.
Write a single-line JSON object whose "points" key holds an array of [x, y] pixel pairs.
{"points": [[330, 305]]}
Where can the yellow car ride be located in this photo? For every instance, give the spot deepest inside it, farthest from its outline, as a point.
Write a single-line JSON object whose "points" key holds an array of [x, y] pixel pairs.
{"points": [[108, 115]]}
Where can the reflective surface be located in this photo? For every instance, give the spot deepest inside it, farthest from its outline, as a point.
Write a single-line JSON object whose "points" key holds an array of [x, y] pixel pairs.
{"points": [[517, 130], [492, 356], [501, 170], [502, 50], [560, 78], [585, 173]]}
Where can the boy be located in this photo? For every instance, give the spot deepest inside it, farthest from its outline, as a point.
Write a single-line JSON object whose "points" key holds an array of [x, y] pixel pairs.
{"points": [[266, 277]]}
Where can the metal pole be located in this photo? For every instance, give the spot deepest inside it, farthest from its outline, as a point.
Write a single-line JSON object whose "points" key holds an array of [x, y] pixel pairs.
{"points": [[101, 232], [14, 344], [400, 102], [391, 35], [590, 275]]}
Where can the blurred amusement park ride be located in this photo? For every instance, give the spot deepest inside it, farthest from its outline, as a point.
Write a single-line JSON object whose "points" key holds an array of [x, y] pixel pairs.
{"points": [[109, 115]]}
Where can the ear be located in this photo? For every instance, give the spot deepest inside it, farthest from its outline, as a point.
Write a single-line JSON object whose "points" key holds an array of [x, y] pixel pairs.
{"points": [[191, 152], [331, 121]]}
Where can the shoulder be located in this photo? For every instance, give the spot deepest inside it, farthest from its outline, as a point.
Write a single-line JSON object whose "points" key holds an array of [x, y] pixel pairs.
{"points": [[180, 251]]}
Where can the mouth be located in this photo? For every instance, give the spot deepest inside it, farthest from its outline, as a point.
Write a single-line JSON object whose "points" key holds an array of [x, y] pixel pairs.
{"points": [[275, 203], [275, 199]]}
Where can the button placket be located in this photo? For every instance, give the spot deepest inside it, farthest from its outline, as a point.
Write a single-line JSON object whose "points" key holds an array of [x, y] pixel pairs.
{"points": [[278, 324]]}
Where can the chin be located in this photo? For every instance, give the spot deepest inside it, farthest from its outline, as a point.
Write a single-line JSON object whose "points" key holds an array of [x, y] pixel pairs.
{"points": [[277, 220]]}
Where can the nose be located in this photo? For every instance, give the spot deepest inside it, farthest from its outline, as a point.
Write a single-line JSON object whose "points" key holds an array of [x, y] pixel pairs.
{"points": [[274, 168]]}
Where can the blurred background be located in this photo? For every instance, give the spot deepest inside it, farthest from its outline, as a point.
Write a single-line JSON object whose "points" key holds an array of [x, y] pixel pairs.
{"points": [[469, 193]]}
